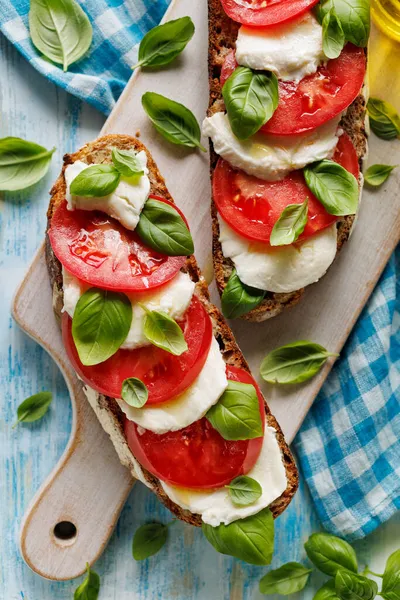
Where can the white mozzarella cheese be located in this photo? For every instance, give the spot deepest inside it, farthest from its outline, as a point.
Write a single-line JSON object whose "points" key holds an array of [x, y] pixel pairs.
{"points": [[281, 269], [124, 204], [190, 406]]}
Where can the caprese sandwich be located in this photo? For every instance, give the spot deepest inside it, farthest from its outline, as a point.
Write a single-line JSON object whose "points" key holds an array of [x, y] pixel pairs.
{"points": [[286, 123], [160, 366]]}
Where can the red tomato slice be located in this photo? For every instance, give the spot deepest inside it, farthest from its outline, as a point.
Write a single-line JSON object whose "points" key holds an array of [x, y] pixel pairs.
{"points": [[165, 375], [252, 206], [196, 456], [99, 250], [258, 13]]}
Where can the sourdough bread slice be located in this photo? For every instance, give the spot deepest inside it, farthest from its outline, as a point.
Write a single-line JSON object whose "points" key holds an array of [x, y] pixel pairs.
{"points": [[222, 38], [107, 409]]}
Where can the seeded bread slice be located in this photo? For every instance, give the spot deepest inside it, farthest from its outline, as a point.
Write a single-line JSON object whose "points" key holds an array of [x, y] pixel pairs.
{"points": [[107, 409], [222, 38]]}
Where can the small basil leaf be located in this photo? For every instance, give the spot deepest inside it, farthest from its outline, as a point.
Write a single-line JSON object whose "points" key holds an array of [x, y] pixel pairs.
{"points": [[60, 29], [173, 120], [354, 17], [350, 586], [294, 363], [101, 322], [332, 35], [244, 490], [164, 332], [162, 228], [148, 540], [239, 299], [127, 163], [327, 591], [134, 392], [236, 416], [251, 98], [329, 553], [375, 175], [290, 225], [383, 118], [391, 578], [250, 539], [89, 589], [34, 408], [334, 186], [288, 579], [163, 43], [22, 163], [95, 181]]}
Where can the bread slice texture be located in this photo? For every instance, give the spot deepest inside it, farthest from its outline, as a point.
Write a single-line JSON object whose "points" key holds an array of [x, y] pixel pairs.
{"points": [[107, 409], [222, 38]]}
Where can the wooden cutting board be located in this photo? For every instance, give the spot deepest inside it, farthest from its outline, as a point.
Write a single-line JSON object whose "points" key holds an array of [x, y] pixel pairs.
{"points": [[88, 487]]}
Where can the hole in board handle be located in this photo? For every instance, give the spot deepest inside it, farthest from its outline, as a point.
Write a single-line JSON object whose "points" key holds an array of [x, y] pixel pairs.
{"points": [[65, 533]]}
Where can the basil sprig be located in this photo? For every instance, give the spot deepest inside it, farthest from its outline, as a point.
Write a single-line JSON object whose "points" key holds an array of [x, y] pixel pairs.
{"points": [[334, 186], [250, 539], [350, 586], [60, 29], [162, 228], [391, 578], [127, 163], [383, 118], [134, 392], [239, 299], [329, 553], [376, 175], [327, 592], [148, 540], [22, 163], [244, 491], [290, 225], [236, 416], [100, 324], [163, 43], [164, 332], [333, 38], [288, 579], [34, 408], [174, 121], [251, 98], [354, 18], [90, 587]]}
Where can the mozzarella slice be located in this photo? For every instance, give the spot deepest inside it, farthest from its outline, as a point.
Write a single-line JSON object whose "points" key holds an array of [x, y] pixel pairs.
{"points": [[190, 406], [270, 157], [124, 204], [279, 269]]}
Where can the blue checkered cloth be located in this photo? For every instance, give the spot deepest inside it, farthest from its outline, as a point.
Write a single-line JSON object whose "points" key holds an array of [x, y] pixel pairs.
{"points": [[349, 445]]}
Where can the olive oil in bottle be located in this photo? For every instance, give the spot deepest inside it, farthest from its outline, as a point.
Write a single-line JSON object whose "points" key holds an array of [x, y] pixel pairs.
{"points": [[386, 15]]}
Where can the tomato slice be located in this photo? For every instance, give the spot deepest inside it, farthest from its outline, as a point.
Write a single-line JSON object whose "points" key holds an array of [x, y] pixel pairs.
{"points": [[252, 206], [196, 456], [100, 251], [165, 375], [258, 13]]}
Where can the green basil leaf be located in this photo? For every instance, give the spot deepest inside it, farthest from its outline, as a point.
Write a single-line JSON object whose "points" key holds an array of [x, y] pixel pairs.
{"points": [[329, 553], [127, 163], [290, 225], [34, 408], [236, 416], [251, 98], [101, 322], [250, 539], [327, 591], [164, 332], [60, 29], [383, 118], [333, 39], [354, 17], [22, 163], [375, 175], [350, 586], [89, 589], [244, 490], [173, 120], [162, 228], [294, 363], [239, 299], [148, 540], [391, 578], [96, 181], [163, 43], [288, 579], [134, 392], [334, 186]]}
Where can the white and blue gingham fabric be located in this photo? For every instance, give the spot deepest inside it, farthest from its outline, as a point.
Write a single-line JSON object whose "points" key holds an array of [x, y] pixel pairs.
{"points": [[349, 445]]}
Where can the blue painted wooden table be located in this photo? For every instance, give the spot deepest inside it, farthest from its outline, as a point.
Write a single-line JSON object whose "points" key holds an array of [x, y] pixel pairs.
{"points": [[188, 568]]}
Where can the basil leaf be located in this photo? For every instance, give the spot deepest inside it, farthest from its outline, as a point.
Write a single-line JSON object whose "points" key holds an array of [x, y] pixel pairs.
{"points": [[164, 332], [162, 228], [163, 43], [96, 181], [34, 408], [327, 592], [244, 490], [127, 163], [329, 553], [354, 17], [332, 35], [89, 589], [251, 98], [134, 392], [250, 539], [290, 225], [148, 540], [350, 586], [101, 322], [236, 416], [391, 578], [239, 299], [288, 579], [173, 120], [334, 186], [22, 163], [375, 175], [294, 363], [60, 29], [383, 118]]}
